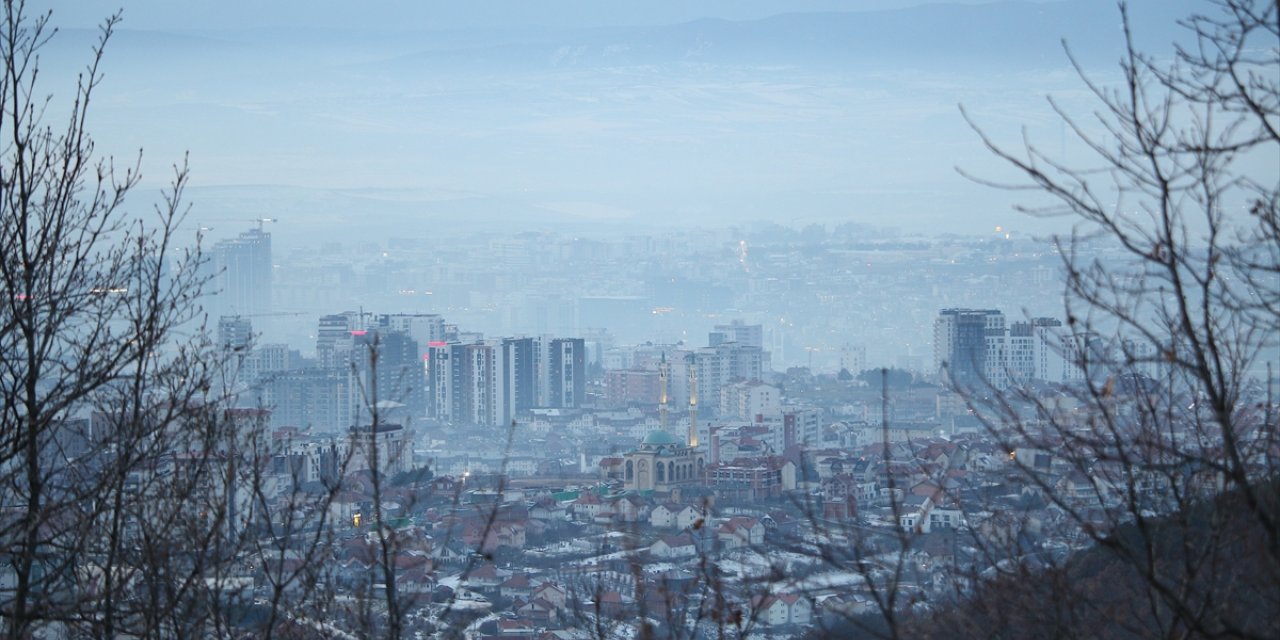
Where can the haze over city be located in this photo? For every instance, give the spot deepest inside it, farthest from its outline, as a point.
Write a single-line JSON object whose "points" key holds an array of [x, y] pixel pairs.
{"points": [[438, 118], [585, 320]]}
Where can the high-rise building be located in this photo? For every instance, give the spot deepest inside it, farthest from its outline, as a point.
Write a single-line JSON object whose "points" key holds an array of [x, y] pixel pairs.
{"points": [[242, 274], [310, 398], [995, 366], [1087, 356], [463, 383], [424, 328], [1050, 359], [440, 357], [973, 348], [746, 335], [248, 363], [751, 335], [1021, 352], [749, 399], [715, 367], [268, 359], [1034, 351], [490, 382], [234, 340], [389, 374], [469, 383], [960, 346], [235, 333], [520, 373], [567, 372], [627, 386], [333, 339], [853, 358]]}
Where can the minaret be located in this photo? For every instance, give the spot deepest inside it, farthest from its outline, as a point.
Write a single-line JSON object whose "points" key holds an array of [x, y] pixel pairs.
{"points": [[693, 402], [662, 392]]}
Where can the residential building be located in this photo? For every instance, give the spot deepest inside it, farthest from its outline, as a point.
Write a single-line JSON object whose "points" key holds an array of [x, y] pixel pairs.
{"points": [[242, 274], [961, 351], [567, 373]]}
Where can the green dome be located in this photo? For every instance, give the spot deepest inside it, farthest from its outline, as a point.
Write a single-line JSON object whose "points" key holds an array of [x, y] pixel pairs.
{"points": [[658, 438]]}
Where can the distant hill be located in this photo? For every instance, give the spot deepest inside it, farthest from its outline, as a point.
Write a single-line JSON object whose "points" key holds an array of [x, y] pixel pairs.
{"points": [[1005, 35], [1009, 34], [821, 115]]}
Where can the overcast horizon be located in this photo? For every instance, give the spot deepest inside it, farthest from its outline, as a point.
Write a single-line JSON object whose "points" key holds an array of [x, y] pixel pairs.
{"points": [[536, 114]]}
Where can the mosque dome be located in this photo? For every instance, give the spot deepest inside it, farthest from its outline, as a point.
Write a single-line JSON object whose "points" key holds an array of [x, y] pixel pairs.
{"points": [[658, 438]]}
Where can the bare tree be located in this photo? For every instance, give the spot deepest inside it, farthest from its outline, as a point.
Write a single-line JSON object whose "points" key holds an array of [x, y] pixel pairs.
{"points": [[1161, 452], [103, 381]]}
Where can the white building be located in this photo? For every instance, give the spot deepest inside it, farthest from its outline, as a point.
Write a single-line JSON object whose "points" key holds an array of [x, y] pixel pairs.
{"points": [[747, 399], [390, 443]]}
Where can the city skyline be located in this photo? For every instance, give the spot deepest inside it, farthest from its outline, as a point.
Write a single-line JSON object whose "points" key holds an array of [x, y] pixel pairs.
{"points": [[570, 320]]}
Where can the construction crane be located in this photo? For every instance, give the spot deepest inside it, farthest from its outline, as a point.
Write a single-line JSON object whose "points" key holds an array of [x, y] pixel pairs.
{"points": [[267, 314], [250, 316], [258, 221]]}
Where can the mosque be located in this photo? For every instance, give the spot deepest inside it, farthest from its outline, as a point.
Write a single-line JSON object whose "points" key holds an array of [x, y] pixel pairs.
{"points": [[663, 462]]}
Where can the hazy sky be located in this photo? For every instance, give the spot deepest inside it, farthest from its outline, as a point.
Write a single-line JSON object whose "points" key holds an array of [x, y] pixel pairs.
{"points": [[531, 112], [434, 14]]}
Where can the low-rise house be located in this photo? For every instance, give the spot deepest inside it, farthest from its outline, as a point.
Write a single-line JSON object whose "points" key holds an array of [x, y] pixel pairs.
{"points": [[611, 468], [416, 581], [838, 609], [736, 533], [674, 516], [486, 578], [926, 488], [671, 547], [552, 593], [945, 517], [923, 514], [783, 609], [628, 508], [566, 634], [611, 603], [780, 522], [517, 586], [538, 610], [454, 551], [588, 506], [518, 629], [411, 558], [938, 452], [546, 508], [487, 537], [348, 508]]}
